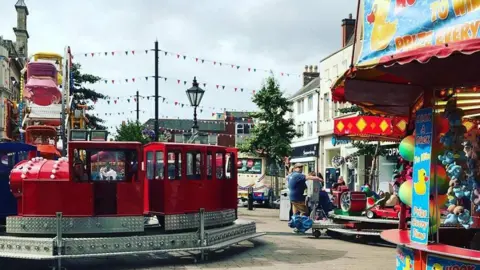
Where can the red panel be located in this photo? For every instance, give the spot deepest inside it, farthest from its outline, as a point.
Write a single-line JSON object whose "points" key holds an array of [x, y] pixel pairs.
{"points": [[47, 198], [129, 199], [402, 237], [230, 196], [371, 126]]}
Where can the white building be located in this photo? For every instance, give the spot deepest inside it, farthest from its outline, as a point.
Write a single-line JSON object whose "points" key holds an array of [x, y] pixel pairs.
{"points": [[305, 106], [332, 68]]}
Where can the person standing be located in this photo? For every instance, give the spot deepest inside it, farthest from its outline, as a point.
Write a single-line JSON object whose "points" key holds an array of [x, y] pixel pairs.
{"points": [[297, 185]]}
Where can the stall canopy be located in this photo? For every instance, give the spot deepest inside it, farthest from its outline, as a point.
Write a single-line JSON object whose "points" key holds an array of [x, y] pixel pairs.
{"points": [[405, 47], [371, 128]]}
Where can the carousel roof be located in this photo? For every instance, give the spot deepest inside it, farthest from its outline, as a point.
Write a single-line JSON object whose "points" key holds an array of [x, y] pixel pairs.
{"points": [[413, 55]]}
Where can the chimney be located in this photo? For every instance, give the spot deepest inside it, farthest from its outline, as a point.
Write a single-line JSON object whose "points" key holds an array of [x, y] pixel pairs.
{"points": [[310, 73], [348, 29]]}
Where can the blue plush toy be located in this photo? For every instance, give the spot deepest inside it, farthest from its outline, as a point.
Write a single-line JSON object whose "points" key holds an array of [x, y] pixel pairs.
{"points": [[451, 219], [447, 139], [447, 158], [455, 171], [465, 219]]}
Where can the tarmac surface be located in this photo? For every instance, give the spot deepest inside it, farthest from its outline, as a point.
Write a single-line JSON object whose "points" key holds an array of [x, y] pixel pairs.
{"points": [[279, 249]]}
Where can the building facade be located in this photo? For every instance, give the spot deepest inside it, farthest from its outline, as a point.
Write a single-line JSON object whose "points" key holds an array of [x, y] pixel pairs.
{"points": [[13, 55], [305, 106]]}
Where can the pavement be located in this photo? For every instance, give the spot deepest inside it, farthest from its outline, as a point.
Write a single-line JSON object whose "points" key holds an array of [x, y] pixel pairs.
{"points": [[279, 249]]}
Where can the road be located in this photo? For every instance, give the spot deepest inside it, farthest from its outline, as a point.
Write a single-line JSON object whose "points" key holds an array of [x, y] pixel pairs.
{"points": [[279, 249]]}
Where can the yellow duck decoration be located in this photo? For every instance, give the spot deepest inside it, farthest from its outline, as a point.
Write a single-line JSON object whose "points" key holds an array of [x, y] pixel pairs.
{"points": [[382, 31], [408, 263], [421, 187], [437, 266]]}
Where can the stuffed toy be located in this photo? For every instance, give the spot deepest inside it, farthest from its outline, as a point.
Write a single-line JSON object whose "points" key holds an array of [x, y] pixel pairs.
{"points": [[476, 199], [447, 139], [454, 171], [464, 217], [451, 218], [447, 158]]}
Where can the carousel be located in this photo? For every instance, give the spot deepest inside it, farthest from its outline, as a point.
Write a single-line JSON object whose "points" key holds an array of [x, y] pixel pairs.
{"points": [[417, 59]]}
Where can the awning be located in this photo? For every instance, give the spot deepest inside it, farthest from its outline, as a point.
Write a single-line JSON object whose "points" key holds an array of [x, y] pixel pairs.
{"points": [[400, 53], [371, 128]]}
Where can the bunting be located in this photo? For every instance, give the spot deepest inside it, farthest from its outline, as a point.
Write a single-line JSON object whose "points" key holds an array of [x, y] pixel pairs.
{"points": [[184, 82], [184, 57]]}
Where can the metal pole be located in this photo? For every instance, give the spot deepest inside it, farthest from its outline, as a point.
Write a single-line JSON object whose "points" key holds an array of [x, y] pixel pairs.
{"points": [[156, 91], [59, 240], [65, 88], [138, 107], [203, 242], [195, 124]]}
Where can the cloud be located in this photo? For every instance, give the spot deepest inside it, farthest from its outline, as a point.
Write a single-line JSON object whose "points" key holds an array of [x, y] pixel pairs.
{"points": [[281, 35]]}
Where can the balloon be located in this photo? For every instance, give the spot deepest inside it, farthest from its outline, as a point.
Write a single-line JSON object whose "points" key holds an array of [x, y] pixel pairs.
{"points": [[407, 148], [442, 180], [405, 192]]}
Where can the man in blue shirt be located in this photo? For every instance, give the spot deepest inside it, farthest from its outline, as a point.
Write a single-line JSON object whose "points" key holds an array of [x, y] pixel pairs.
{"points": [[297, 185]]}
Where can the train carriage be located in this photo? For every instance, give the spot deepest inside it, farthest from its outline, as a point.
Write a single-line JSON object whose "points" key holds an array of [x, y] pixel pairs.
{"points": [[182, 178]]}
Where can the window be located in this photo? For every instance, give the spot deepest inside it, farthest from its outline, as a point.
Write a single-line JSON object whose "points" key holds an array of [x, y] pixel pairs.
{"points": [[243, 128], [212, 139], [220, 165], [150, 165], [239, 128], [159, 166], [194, 165], [344, 64], [230, 165], [300, 106], [326, 107], [209, 165], [310, 103], [309, 129], [174, 165], [179, 138], [299, 131], [303, 105], [335, 71], [106, 165], [249, 166], [326, 74]]}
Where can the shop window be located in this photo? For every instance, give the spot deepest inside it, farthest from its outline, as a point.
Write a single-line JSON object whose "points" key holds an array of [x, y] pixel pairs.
{"points": [[174, 165], [159, 166], [194, 163], [220, 166]]}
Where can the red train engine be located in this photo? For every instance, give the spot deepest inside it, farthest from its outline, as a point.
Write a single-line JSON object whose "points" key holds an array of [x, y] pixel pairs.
{"points": [[109, 187]]}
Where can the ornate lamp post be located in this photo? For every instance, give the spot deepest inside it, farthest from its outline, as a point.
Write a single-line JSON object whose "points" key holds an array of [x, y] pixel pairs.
{"points": [[195, 95]]}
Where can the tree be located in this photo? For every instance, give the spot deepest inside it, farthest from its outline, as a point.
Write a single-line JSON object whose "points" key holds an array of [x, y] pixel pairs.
{"points": [[133, 131], [82, 94], [272, 133]]}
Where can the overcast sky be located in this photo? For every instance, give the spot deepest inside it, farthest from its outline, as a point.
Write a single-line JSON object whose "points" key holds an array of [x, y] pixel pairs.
{"points": [[278, 35]]}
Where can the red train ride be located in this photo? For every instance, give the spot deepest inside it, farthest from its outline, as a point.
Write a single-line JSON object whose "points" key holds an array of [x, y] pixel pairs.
{"points": [[98, 199]]}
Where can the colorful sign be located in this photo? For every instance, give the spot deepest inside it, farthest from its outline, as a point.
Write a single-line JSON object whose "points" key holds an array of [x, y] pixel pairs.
{"points": [[441, 263], [422, 163], [405, 259], [397, 26]]}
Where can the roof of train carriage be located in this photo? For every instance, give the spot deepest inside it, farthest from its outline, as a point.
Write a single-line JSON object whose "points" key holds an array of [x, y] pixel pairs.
{"points": [[105, 145], [194, 145], [186, 124]]}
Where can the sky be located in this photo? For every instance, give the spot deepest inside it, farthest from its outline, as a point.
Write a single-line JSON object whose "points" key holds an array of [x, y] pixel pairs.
{"points": [[278, 36]]}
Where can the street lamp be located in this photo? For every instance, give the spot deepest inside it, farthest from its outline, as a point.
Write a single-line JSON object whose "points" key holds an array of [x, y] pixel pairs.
{"points": [[195, 95]]}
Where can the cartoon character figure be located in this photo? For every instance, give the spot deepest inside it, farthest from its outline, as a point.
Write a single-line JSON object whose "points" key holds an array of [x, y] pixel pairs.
{"points": [[451, 218], [447, 158], [464, 217], [454, 171], [421, 186], [382, 30]]}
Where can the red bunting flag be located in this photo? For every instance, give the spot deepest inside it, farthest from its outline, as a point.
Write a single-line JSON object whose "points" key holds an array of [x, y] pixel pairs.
{"points": [[176, 103], [217, 86], [196, 59], [178, 81], [133, 52], [178, 55], [113, 53], [133, 79]]}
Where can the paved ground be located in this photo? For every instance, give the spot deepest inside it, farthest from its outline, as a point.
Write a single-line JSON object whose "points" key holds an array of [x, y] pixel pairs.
{"points": [[279, 249]]}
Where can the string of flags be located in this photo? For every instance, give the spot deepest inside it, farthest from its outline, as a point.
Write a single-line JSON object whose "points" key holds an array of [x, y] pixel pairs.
{"points": [[176, 81], [116, 100], [179, 56]]}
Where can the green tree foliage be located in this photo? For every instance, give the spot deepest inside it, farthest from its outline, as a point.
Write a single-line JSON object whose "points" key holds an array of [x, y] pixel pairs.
{"points": [[131, 132], [272, 134], [82, 94]]}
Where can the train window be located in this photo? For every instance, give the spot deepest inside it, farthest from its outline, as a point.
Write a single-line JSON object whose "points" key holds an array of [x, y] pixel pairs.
{"points": [[112, 165], [174, 165], [194, 163], [159, 169], [220, 165], [150, 165], [230, 165], [209, 165]]}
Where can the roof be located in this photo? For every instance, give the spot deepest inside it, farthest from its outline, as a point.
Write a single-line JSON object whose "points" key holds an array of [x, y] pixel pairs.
{"points": [[186, 124], [21, 4], [238, 114], [315, 83]]}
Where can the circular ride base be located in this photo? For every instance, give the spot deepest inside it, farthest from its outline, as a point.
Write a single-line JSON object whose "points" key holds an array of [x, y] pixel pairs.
{"points": [[57, 246], [358, 226]]}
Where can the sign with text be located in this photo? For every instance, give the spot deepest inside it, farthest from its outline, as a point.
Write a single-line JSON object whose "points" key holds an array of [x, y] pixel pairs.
{"points": [[405, 259], [420, 222], [402, 26], [310, 150], [436, 262]]}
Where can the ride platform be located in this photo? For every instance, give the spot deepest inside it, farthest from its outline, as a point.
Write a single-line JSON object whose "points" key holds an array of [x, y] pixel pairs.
{"points": [[153, 239]]}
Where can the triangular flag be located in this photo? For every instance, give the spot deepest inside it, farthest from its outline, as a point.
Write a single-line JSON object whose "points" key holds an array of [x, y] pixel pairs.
{"points": [[176, 103], [184, 82], [214, 62], [106, 81], [235, 89], [86, 55], [223, 86], [133, 79], [146, 51], [108, 101], [241, 89], [204, 84], [178, 81], [93, 54], [134, 100], [113, 81], [113, 53], [196, 59], [128, 100], [146, 78], [106, 53], [178, 55], [115, 101], [203, 61], [126, 80], [184, 57], [232, 66], [133, 52], [166, 53], [126, 52], [281, 73], [217, 86], [254, 70], [238, 67], [165, 78], [249, 69]]}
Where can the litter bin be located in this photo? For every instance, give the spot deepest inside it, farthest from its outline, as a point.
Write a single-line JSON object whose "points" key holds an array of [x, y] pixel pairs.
{"points": [[284, 205]]}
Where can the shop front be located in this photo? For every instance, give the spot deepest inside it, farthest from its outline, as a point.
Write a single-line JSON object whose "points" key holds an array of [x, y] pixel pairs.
{"points": [[306, 155]]}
